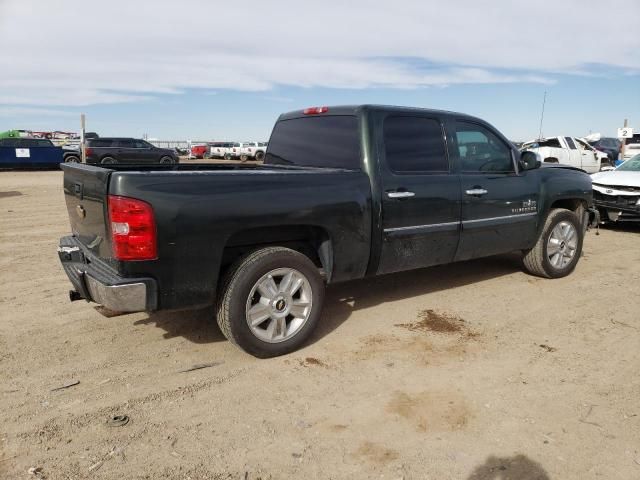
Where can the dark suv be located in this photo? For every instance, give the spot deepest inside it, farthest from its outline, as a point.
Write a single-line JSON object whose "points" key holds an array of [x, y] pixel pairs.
{"points": [[107, 150], [610, 146]]}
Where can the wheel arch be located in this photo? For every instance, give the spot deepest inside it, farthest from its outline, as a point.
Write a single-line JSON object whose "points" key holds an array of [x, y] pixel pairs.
{"points": [[310, 240]]}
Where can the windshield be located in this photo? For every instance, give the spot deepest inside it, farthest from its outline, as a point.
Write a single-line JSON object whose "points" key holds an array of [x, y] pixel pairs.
{"points": [[631, 165]]}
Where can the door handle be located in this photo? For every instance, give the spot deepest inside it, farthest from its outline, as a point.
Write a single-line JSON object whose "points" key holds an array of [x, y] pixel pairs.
{"points": [[400, 194], [476, 192]]}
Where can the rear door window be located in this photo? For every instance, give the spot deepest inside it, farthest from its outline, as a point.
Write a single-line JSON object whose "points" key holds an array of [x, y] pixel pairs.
{"points": [[414, 144], [325, 142]]}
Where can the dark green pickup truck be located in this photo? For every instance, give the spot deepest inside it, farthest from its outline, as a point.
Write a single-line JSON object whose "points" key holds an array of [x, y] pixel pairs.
{"points": [[344, 192]]}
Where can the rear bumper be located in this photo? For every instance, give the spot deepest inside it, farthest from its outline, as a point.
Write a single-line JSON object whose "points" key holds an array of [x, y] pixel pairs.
{"points": [[97, 282]]}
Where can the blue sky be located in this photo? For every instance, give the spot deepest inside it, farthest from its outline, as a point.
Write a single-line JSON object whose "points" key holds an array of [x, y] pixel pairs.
{"points": [[170, 71]]}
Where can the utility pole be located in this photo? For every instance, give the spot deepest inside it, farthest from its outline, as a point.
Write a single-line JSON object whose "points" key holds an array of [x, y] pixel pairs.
{"points": [[83, 151], [544, 100]]}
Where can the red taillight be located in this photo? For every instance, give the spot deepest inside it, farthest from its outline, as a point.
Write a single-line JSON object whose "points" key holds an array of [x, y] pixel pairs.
{"points": [[88, 151], [133, 229], [315, 110]]}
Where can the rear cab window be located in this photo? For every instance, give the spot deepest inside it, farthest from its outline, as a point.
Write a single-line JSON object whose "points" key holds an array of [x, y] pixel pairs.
{"points": [[331, 141]]}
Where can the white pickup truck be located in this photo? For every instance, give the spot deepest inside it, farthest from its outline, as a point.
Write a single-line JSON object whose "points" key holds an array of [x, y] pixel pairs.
{"points": [[567, 151], [252, 150]]}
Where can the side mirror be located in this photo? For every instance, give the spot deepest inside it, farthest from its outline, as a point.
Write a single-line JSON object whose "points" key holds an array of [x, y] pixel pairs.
{"points": [[530, 160]]}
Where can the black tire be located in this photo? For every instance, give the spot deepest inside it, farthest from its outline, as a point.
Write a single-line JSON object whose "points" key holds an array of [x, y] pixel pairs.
{"points": [[167, 160], [238, 285], [536, 261], [108, 161], [244, 158], [259, 156], [71, 159], [227, 156]]}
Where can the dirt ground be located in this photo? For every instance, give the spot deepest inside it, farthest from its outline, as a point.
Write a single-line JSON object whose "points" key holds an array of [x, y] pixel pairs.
{"points": [[472, 371]]}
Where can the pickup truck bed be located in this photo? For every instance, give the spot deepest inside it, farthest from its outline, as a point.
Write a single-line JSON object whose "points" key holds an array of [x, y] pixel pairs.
{"points": [[345, 192], [219, 202]]}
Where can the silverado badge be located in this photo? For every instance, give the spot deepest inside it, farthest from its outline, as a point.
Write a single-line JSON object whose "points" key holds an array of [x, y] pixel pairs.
{"points": [[527, 206]]}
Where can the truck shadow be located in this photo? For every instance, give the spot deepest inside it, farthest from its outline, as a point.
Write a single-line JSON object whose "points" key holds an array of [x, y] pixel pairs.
{"points": [[199, 326], [343, 299], [517, 467]]}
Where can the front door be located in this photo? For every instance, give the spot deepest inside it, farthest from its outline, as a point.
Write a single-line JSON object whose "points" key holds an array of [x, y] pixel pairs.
{"points": [[421, 196], [590, 162], [575, 158], [499, 205]]}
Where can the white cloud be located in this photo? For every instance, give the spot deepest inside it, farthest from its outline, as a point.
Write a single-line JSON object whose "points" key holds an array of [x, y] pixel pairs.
{"points": [[85, 52], [9, 111]]}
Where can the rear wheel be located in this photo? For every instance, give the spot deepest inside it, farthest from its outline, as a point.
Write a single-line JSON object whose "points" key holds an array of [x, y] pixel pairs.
{"points": [[244, 158], [271, 301], [71, 159], [227, 156], [259, 156], [558, 249], [108, 161]]}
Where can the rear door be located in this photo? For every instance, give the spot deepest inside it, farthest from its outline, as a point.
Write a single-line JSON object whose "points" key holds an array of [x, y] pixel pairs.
{"points": [[126, 151], [499, 205], [421, 195]]}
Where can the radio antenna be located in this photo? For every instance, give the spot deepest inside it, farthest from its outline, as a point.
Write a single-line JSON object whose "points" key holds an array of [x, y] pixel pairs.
{"points": [[544, 100]]}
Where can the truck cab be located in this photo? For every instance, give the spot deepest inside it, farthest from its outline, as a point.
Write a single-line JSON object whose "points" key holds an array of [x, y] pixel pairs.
{"points": [[566, 151]]}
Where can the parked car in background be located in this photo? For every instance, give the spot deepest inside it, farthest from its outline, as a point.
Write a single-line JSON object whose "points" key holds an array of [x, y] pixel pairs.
{"points": [[565, 150], [330, 203], [219, 149], [25, 152], [616, 193], [608, 145], [234, 151], [603, 158], [200, 150], [71, 153], [632, 147], [112, 150], [253, 150]]}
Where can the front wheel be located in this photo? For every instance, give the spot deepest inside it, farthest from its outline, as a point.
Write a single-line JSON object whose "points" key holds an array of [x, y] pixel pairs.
{"points": [[271, 301], [167, 161], [259, 156], [558, 249], [108, 161]]}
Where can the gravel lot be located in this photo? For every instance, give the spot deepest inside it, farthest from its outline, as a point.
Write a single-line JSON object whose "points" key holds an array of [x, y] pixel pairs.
{"points": [[469, 371]]}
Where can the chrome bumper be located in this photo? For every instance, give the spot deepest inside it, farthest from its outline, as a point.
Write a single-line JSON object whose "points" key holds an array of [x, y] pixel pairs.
{"points": [[96, 281], [127, 297]]}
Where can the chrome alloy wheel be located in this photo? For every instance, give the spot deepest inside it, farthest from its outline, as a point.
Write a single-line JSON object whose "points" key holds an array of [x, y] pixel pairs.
{"points": [[562, 244], [279, 305]]}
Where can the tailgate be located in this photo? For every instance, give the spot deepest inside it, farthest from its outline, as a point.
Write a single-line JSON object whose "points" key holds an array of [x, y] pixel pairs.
{"points": [[85, 191]]}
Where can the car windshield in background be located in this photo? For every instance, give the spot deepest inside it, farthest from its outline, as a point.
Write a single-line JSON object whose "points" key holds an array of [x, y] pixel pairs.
{"points": [[631, 165], [329, 142], [635, 139]]}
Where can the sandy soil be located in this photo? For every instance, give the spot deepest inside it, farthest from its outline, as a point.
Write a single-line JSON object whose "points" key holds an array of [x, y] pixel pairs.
{"points": [[471, 371]]}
